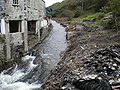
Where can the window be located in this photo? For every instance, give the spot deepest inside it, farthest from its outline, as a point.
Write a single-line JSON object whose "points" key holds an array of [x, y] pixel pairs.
{"points": [[31, 27], [15, 26], [6, 1], [15, 1]]}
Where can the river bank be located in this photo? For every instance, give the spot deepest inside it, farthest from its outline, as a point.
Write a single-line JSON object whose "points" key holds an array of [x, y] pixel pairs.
{"points": [[92, 53]]}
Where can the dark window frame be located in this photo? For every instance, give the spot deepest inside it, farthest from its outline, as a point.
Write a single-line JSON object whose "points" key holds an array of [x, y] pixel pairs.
{"points": [[15, 2]]}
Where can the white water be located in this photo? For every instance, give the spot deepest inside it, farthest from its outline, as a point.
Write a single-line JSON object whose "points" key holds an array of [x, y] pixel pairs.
{"points": [[20, 86], [9, 81]]}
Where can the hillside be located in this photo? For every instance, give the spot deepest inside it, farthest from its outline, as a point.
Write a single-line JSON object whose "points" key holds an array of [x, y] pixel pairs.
{"points": [[96, 10]]}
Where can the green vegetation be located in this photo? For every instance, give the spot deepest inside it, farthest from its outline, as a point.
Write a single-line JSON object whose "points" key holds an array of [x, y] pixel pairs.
{"points": [[94, 17], [106, 12]]}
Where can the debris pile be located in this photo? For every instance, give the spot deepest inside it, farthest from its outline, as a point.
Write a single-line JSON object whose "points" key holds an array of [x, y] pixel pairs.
{"points": [[92, 58], [104, 63]]}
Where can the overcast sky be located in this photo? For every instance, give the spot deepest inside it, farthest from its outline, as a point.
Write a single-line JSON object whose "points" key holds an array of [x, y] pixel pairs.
{"points": [[50, 2]]}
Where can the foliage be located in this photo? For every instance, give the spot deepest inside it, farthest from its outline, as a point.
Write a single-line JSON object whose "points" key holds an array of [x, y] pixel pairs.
{"points": [[79, 8], [67, 13], [114, 7]]}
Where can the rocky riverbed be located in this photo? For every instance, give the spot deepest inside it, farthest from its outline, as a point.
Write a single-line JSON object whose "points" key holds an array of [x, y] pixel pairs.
{"points": [[92, 60]]}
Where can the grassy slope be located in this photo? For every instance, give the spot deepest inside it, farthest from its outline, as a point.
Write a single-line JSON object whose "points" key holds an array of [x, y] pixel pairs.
{"points": [[93, 10]]}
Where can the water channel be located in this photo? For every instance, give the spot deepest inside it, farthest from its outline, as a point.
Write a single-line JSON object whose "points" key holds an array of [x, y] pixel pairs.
{"points": [[33, 70]]}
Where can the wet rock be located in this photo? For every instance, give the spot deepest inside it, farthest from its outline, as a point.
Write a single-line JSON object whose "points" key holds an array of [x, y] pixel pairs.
{"points": [[116, 85], [64, 24], [93, 84]]}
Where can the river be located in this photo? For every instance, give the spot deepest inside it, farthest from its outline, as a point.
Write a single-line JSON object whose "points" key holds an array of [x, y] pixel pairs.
{"points": [[34, 68]]}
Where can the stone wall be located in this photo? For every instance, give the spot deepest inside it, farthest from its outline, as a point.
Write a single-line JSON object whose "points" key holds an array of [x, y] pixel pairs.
{"points": [[17, 49], [17, 38], [29, 9], [17, 45], [2, 50]]}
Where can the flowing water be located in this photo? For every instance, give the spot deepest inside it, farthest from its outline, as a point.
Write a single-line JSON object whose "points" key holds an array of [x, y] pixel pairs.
{"points": [[32, 71]]}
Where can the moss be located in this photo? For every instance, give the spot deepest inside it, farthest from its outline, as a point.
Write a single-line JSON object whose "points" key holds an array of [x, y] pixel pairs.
{"points": [[2, 40]]}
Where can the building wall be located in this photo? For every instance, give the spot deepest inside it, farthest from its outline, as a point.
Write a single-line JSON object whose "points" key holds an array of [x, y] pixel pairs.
{"points": [[2, 7], [2, 44], [17, 38], [2, 50], [14, 11], [16, 22], [32, 9]]}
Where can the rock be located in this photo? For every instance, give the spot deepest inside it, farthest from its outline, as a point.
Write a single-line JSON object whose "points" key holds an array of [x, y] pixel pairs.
{"points": [[93, 84], [116, 85], [79, 27], [70, 27], [64, 24], [69, 35], [117, 59]]}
